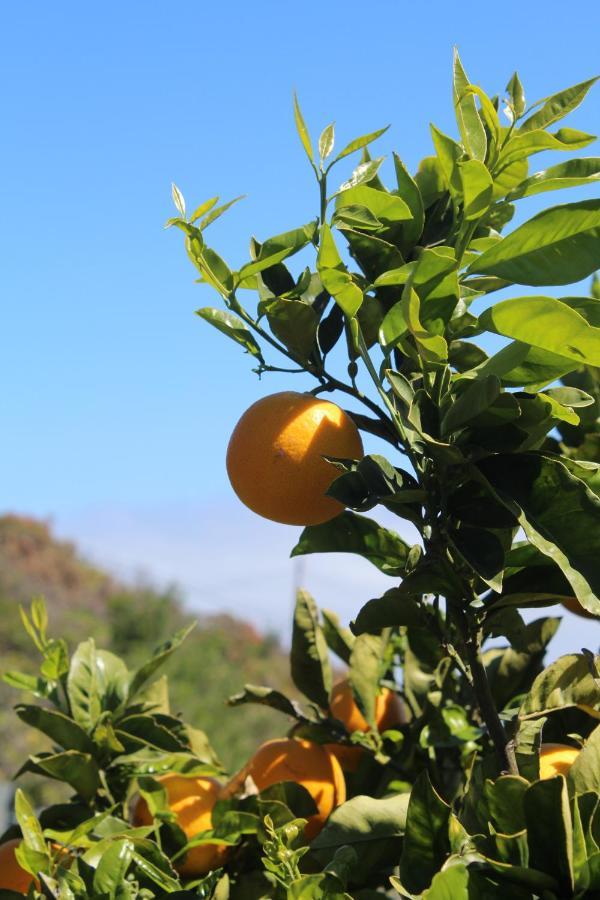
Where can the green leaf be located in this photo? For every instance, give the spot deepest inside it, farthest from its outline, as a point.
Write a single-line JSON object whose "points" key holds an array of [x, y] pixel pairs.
{"points": [[83, 686], [266, 696], [449, 884], [309, 657], [29, 824], [430, 180], [547, 323], [584, 774], [363, 822], [393, 327], [214, 214], [358, 143], [339, 639], [294, 323], [335, 277], [58, 727], [516, 94], [385, 207], [109, 876], [232, 326], [549, 825], [366, 671], [568, 681], [302, 130], [558, 512], [521, 146], [202, 209], [432, 347], [178, 199], [573, 173], [557, 246], [469, 122], [482, 551], [557, 106], [449, 153], [351, 533], [426, 843], [476, 398], [504, 798], [326, 141], [477, 188], [162, 653], [278, 248], [410, 193], [397, 607], [74, 768], [363, 173]]}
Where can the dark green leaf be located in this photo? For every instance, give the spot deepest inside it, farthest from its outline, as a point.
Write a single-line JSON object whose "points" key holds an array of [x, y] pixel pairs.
{"points": [[426, 844], [477, 397], [366, 671], [569, 681], [309, 658], [351, 533], [58, 727], [339, 639], [266, 696], [549, 825], [294, 323]]}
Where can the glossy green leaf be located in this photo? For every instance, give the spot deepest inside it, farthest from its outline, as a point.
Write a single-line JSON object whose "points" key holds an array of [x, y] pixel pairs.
{"points": [[351, 533], [294, 323], [450, 884], [76, 769], [387, 208], [213, 214], [477, 188], [426, 842], [232, 326], [521, 146], [339, 639], [516, 94], [432, 347], [358, 143], [393, 327], [430, 180], [557, 246], [203, 209], [178, 199], [469, 122], [112, 869], [573, 173], [326, 141], [550, 830], [547, 323], [302, 130], [363, 173], [309, 657], [568, 681], [558, 512], [448, 154], [410, 193], [29, 824], [278, 248], [335, 277], [61, 729], [477, 397], [557, 106], [366, 670]]}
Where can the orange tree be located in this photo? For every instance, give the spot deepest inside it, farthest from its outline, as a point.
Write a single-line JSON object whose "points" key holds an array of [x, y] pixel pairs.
{"points": [[484, 779]]}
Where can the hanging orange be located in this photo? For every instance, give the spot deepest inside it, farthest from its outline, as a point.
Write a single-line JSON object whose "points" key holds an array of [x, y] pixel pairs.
{"points": [[275, 457], [389, 711]]}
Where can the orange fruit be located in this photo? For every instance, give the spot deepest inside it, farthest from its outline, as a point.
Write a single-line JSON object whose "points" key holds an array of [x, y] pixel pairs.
{"points": [[389, 711], [574, 606], [275, 457], [12, 876], [192, 801], [556, 759], [308, 764]]}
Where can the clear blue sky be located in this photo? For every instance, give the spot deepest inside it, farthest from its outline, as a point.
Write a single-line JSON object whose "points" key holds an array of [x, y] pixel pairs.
{"points": [[113, 393]]}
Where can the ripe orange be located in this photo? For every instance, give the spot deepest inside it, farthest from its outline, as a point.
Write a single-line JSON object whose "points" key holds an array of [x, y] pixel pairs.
{"points": [[389, 711], [192, 801], [556, 759], [275, 457], [574, 606], [308, 764], [12, 876]]}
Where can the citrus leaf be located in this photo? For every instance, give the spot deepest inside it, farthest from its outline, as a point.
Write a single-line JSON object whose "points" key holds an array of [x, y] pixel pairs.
{"points": [[302, 130], [309, 657], [231, 325], [557, 246], [358, 143], [469, 121], [557, 106]]}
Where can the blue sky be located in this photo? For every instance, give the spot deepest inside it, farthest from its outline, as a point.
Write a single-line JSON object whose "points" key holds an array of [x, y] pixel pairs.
{"points": [[117, 401]]}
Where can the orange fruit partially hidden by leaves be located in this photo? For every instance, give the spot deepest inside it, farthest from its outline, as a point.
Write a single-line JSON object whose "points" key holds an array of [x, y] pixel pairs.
{"points": [[556, 759], [12, 876], [275, 457], [192, 801], [574, 606], [389, 711], [310, 765]]}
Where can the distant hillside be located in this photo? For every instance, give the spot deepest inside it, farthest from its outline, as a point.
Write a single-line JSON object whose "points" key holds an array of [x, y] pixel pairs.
{"points": [[220, 655]]}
